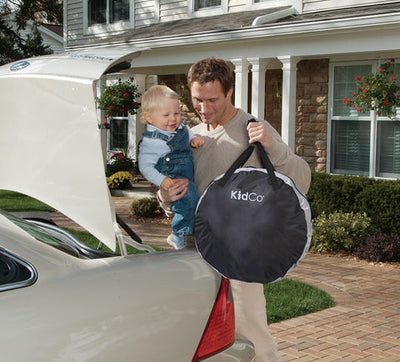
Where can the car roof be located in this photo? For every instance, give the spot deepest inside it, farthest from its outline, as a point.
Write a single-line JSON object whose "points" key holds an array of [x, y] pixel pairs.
{"points": [[50, 139]]}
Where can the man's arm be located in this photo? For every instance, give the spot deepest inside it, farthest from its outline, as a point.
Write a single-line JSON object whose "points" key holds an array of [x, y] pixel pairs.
{"points": [[282, 157]]}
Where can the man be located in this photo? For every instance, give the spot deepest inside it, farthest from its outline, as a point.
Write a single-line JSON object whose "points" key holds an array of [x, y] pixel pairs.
{"points": [[227, 134]]}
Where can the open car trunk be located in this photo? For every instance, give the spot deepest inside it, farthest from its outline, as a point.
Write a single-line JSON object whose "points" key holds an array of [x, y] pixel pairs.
{"points": [[52, 98]]}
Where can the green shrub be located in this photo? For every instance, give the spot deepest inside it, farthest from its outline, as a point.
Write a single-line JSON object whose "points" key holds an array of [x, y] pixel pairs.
{"points": [[145, 207], [338, 231], [379, 199]]}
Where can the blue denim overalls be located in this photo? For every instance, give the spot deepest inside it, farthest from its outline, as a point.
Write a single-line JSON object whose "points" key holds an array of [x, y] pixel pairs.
{"points": [[178, 163]]}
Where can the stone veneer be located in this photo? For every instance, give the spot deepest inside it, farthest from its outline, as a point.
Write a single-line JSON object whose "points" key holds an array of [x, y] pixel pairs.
{"points": [[312, 112]]}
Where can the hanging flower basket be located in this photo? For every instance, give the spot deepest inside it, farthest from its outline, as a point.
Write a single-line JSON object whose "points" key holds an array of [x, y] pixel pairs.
{"points": [[119, 99], [378, 91]]}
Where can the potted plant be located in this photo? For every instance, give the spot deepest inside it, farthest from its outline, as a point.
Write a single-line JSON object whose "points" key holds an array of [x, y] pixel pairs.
{"points": [[118, 99], [378, 91]]}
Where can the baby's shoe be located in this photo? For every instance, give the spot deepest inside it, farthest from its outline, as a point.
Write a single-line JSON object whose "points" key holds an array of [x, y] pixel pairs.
{"points": [[177, 241]]}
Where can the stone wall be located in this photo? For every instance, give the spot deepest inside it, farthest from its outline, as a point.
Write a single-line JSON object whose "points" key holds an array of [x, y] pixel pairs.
{"points": [[312, 112]]}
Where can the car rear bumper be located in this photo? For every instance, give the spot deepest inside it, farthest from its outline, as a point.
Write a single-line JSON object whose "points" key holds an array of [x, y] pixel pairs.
{"points": [[240, 351]]}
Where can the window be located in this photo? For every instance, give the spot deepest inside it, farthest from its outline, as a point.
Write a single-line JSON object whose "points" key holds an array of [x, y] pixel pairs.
{"points": [[207, 7], [359, 144], [105, 12], [201, 4], [119, 133]]}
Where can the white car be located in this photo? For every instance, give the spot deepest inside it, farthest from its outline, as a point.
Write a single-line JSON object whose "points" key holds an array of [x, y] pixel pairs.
{"points": [[63, 301]]}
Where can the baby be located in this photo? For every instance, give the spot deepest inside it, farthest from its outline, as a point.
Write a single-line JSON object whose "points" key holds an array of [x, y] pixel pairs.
{"points": [[165, 154]]}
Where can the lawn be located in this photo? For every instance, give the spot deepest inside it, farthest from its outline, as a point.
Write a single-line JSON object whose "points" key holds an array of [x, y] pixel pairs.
{"points": [[286, 299]]}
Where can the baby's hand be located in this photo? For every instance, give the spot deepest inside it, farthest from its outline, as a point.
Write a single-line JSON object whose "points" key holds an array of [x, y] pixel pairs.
{"points": [[167, 183], [197, 142]]}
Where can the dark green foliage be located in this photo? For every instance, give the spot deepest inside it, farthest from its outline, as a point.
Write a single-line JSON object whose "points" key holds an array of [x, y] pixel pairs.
{"points": [[379, 199], [380, 248], [145, 207], [13, 19]]}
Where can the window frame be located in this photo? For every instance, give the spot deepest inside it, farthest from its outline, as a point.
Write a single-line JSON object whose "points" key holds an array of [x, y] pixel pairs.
{"points": [[208, 11], [375, 127], [108, 27]]}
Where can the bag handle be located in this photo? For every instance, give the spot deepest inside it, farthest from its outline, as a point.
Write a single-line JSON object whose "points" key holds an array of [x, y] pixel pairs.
{"points": [[241, 160]]}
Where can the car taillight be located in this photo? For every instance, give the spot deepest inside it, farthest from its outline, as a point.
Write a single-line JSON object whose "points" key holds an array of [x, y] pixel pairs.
{"points": [[220, 329]]}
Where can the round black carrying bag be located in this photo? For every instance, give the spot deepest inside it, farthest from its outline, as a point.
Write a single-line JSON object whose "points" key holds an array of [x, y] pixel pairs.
{"points": [[253, 224]]}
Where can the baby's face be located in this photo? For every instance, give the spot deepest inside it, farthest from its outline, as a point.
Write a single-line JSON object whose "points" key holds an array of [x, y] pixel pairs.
{"points": [[166, 116]]}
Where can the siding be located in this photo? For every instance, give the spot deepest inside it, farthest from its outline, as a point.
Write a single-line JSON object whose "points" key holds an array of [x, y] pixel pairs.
{"points": [[320, 5], [74, 23], [173, 10], [145, 12]]}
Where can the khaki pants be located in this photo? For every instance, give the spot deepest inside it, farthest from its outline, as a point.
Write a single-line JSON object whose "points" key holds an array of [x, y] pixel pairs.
{"points": [[251, 319]]}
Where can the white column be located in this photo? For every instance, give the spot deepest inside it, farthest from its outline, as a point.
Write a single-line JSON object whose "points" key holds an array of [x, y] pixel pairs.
{"points": [[241, 83], [289, 69], [258, 69]]}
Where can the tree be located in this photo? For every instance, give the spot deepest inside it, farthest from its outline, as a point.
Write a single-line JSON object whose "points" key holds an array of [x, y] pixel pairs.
{"points": [[16, 42]]}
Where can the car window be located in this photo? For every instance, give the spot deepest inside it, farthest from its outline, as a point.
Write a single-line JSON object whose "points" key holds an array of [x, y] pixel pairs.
{"points": [[15, 272], [41, 235]]}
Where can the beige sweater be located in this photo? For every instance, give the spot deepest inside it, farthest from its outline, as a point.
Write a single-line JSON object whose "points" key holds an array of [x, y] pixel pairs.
{"points": [[225, 143]]}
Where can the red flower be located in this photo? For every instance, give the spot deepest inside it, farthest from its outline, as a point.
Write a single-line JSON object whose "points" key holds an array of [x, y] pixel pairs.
{"points": [[105, 123], [126, 94], [392, 60], [381, 71], [121, 110], [385, 102], [110, 108], [358, 109], [398, 96], [365, 90], [391, 79], [353, 94], [345, 99], [358, 78]]}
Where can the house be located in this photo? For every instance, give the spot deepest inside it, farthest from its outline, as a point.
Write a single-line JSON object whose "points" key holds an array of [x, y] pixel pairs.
{"points": [[294, 62]]}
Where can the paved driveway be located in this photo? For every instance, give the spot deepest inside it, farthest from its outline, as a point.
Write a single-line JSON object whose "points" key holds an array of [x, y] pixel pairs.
{"points": [[363, 326]]}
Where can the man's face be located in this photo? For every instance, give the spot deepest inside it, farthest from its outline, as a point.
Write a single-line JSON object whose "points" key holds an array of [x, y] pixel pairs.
{"points": [[211, 104]]}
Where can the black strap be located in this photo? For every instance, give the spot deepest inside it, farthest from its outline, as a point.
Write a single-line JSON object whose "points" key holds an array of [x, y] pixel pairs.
{"points": [[241, 160]]}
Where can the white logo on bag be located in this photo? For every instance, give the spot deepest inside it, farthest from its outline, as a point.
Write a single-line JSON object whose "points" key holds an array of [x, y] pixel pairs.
{"points": [[246, 196]]}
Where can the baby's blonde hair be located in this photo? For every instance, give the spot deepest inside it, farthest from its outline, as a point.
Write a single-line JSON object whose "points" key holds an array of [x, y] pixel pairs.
{"points": [[151, 98]]}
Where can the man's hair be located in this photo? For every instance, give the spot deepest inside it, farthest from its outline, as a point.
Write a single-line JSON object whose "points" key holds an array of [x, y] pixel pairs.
{"points": [[209, 70], [151, 98]]}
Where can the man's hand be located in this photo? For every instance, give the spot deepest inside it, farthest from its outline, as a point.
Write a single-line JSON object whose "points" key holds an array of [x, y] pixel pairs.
{"points": [[167, 183], [176, 191], [258, 133]]}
